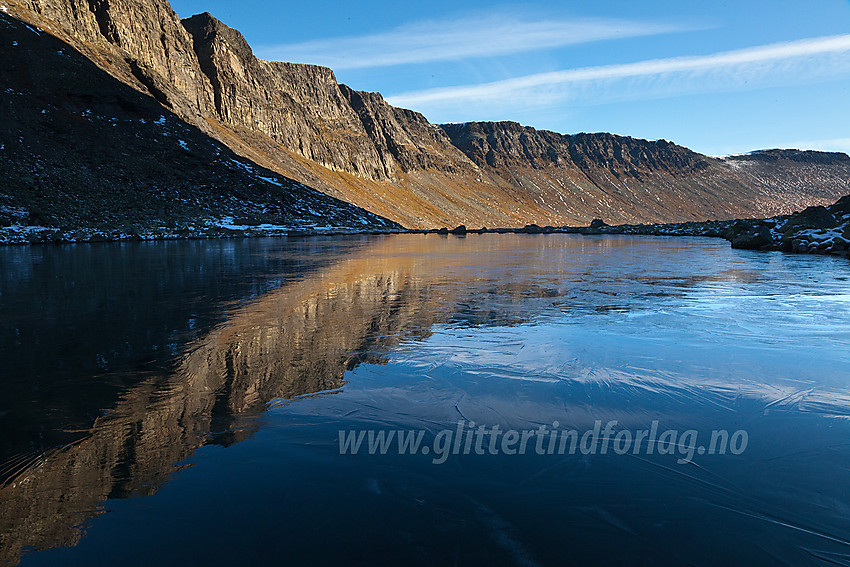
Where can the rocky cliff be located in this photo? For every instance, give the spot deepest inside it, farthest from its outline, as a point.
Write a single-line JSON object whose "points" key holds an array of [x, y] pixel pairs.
{"points": [[85, 156], [298, 106], [141, 42], [404, 138], [507, 145], [298, 122], [628, 180]]}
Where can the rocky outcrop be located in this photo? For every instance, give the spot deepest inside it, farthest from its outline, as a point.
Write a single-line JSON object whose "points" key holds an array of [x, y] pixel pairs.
{"points": [[405, 139], [815, 230], [304, 109], [573, 179], [144, 39]]}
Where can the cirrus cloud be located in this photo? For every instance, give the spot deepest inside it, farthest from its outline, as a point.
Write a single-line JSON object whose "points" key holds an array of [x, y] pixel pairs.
{"points": [[453, 40], [794, 62]]}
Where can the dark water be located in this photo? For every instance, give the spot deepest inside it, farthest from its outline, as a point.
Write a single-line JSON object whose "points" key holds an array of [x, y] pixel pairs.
{"points": [[184, 403]]}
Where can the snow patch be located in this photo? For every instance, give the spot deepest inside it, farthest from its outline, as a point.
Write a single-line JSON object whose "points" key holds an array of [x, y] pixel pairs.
{"points": [[25, 229], [228, 223], [270, 180], [821, 235]]}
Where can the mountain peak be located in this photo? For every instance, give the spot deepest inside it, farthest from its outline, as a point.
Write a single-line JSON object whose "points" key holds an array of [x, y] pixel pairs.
{"points": [[206, 28]]}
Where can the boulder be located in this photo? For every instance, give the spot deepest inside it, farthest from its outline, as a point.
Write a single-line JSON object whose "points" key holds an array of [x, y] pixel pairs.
{"points": [[841, 208], [748, 235], [812, 217]]}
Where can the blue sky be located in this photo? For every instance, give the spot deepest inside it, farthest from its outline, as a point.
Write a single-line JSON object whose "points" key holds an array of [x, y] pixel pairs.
{"points": [[718, 77]]}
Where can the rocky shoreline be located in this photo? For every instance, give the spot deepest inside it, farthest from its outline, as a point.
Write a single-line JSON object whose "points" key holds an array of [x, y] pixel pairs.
{"points": [[23, 234], [815, 230]]}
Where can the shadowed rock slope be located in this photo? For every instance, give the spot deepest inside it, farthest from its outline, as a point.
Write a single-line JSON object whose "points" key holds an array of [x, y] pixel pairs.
{"points": [[297, 121], [83, 156]]}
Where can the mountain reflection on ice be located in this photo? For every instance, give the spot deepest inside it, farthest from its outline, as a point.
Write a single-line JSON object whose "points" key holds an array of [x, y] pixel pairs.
{"points": [[235, 438]]}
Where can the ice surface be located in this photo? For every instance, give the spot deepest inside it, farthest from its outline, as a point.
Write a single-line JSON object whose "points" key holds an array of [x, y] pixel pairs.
{"points": [[418, 333]]}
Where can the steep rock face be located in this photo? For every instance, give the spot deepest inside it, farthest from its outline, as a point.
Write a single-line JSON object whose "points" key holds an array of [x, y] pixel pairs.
{"points": [[628, 180], [150, 39], [304, 109], [83, 153], [299, 106], [504, 145], [573, 179], [404, 138]]}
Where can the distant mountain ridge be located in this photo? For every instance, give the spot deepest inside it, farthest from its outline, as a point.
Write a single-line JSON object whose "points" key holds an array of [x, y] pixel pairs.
{"points": [[803, 156], [296, 120]]}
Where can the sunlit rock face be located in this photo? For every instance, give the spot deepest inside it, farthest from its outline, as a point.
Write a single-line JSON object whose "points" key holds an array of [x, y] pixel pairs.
{"points": [[631, 180], [298, 106], [148, 39]]}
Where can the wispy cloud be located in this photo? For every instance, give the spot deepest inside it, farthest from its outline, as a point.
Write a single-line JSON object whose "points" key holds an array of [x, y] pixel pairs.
{"points": [[779, 63], [455, 40]]}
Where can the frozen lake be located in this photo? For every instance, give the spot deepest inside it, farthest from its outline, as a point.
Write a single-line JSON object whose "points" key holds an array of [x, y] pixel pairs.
{"points": [[424, 400]]}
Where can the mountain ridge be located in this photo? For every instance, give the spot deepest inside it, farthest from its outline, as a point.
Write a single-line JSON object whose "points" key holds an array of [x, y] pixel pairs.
{"points": [[83, 156], [297, 121]]}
